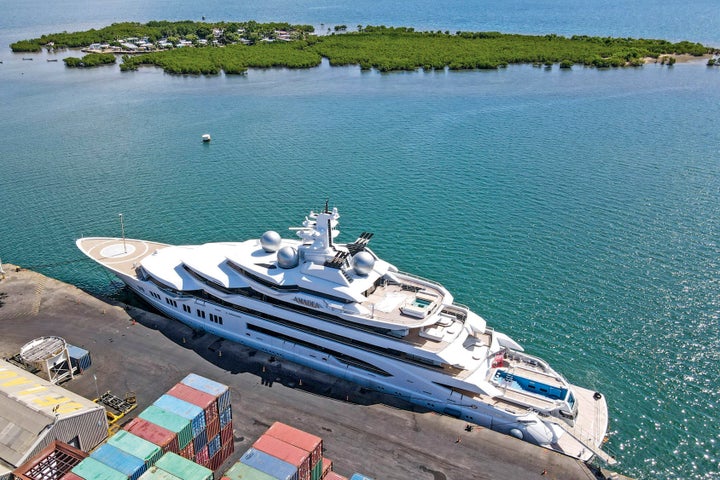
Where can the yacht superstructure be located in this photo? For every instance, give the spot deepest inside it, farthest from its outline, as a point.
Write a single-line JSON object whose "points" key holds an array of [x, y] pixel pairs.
{"points": [[341, 309]]}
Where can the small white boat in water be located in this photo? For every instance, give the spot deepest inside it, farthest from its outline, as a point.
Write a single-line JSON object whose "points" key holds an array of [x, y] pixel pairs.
{"points": [[206, 138]]}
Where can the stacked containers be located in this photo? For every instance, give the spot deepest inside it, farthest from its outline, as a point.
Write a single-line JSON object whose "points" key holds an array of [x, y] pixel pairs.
{"points": [[291, 454], [175, 423], [136, 446], [303, 440], [130, 466], [327, 466], [183, 468], [162, 437], [216, 439], [276, 468]]}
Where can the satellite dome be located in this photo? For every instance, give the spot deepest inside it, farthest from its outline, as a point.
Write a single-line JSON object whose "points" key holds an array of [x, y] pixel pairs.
{"points": [[363, 263], [270, 241], [287, 257]]}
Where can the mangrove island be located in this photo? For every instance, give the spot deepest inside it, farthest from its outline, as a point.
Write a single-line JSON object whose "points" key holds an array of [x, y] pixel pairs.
{"points": [[188, 47]]}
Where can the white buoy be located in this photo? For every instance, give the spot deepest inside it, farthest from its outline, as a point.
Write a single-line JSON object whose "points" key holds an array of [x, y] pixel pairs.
{"points": [[206, 138]]}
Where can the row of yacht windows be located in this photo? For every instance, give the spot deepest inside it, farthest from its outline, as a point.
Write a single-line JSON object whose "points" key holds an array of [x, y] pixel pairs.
{"points": [[409, 358]]}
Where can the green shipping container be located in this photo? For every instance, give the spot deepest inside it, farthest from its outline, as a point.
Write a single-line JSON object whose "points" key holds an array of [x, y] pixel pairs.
{"points": [[136, 446], [183, 468], [154, 473], [240, 471], [169, 421], [91, 469], [316, 473]]}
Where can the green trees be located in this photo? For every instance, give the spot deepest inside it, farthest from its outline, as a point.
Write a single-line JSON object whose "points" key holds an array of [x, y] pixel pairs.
{"points": [[90, 60]]}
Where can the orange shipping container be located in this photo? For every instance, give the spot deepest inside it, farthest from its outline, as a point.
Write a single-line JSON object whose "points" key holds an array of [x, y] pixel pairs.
{"points": [[299, 438]]}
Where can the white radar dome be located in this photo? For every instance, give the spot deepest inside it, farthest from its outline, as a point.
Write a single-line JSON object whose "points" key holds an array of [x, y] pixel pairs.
{"points": [[287, 257], [270, 241], [363, 263]]}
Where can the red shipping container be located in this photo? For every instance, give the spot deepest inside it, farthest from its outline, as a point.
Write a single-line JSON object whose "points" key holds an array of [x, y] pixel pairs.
{"points": [[213, 428], [301, 439], [334, 476], [284, 451], [203, 400], [155, 434], [327, 466], [188, 452], [201, 457], [226, 434], [227, 449]]}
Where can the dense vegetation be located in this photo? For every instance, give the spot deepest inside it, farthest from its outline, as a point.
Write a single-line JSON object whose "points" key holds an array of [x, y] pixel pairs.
{"points": [[230, 59], [382, 48], [90, 60]]}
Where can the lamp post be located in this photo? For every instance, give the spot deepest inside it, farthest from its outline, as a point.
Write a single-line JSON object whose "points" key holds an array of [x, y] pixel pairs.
{"points": [[122, 230], [97, 391]]}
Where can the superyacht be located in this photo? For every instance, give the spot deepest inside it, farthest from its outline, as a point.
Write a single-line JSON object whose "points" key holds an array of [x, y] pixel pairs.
{"points": [[340, 309]]}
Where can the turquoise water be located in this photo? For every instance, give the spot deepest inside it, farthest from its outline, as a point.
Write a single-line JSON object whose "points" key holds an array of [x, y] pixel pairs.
{"points": [[578, 211]]}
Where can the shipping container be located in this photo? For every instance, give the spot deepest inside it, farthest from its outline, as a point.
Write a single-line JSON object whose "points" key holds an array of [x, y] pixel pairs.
{"points": [[171, 421], [284, 451], [226, 434], [225, 417], [203, 400], [162, 437], [187, 410], [79, 358], [129, 465], [217, 461], [200, 440], [202, 457], [91, 469], [213, 427], [240, 471], [327, 466], [134, 445], [188, 452], [334, 476], [183, 468], [359, 476], [316, 471], [307, 441], [217, 390], [274, 467], [154, 473], [213, 446]]}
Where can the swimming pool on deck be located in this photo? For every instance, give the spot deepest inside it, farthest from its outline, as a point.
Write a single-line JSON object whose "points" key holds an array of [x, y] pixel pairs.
{"points": [[525, 384]]}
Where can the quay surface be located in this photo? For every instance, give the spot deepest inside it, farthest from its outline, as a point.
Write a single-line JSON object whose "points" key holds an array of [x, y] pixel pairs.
{"points": [[139, 351]]}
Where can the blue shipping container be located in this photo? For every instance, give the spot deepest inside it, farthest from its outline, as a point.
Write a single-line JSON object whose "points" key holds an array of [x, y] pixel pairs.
{"points": [[200, 441], [274, 467], [123, 462], [217, 390], [214, 446], [225, 417], [195, 414], [359, 476], [79, 358]]}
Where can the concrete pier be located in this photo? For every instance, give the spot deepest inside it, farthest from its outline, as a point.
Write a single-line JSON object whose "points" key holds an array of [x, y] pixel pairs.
{"points": [[135, 350]]}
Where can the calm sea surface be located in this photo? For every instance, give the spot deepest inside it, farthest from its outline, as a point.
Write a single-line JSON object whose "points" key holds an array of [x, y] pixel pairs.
{"points": [[578, 211]]}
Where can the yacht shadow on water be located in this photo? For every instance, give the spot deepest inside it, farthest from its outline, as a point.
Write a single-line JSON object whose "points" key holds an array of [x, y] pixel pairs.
{"points": [[238, 359]]}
